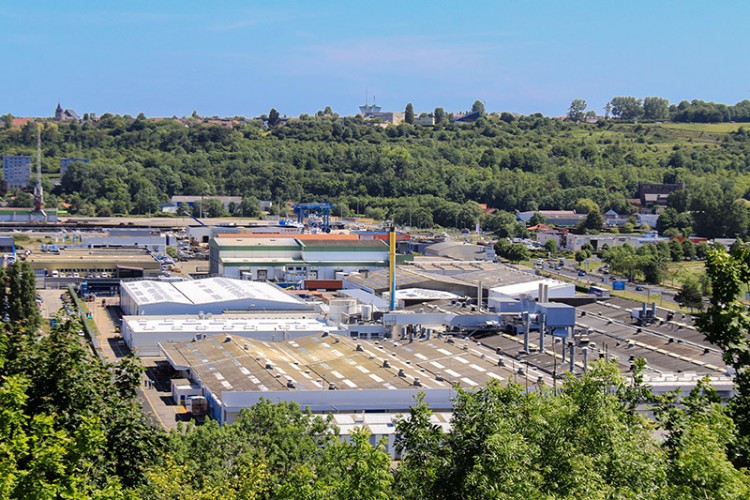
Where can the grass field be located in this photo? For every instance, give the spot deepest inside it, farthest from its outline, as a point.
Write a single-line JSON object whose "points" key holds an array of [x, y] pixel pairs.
{"points": [[664, 136], [710, 128]]}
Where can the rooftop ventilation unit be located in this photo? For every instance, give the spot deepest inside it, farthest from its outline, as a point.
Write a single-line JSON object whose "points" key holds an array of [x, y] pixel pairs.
{"points": [[386, 363], [401, 372]]}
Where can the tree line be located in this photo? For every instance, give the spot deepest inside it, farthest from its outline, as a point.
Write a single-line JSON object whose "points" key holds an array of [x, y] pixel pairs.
{"points": [[425, 176], [629, 108]]}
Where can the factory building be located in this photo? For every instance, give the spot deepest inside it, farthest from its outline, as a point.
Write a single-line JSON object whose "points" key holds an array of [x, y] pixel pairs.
{"points": [[204, 232], [97, 263], [557, 289], [18, 214], [378, 282], [290, 258], [211, 295], [143, 334], [382, 425], [152, 241], [460, 251], [336, 374], [460, 278]]}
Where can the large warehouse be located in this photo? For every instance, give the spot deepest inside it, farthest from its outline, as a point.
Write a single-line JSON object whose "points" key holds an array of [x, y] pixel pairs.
{"points": [[557, 289], [293, 258], [333, 373], [211, 295], [143, 334]]}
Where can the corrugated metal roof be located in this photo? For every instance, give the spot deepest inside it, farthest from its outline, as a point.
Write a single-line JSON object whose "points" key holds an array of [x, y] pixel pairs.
{"points": [[205, 291]]}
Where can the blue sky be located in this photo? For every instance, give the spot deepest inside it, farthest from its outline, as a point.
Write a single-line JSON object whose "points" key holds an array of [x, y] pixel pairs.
{"points": [[227, 58]]}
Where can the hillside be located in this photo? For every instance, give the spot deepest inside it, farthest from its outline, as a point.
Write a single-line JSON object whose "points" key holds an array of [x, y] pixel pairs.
{"points": [[525, 164]]}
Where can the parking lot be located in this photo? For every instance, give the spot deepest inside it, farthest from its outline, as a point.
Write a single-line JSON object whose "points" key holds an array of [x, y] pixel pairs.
{"points": [[51, 302]]}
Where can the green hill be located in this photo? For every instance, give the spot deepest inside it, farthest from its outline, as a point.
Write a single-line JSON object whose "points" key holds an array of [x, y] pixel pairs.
{"points": [[529, 163]]}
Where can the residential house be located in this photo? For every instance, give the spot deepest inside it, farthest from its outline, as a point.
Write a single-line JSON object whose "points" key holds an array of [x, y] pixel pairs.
{"points": [[652, 195]]}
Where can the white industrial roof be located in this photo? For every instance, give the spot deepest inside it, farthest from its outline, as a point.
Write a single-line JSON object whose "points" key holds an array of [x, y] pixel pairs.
{"points": [[210, 290], [223, 324], [205, 291], [421, 293], [529, 287], [154, 292]]}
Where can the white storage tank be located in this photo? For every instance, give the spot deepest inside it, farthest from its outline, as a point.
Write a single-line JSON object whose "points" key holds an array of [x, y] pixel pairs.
{"points": [[366, 312]]}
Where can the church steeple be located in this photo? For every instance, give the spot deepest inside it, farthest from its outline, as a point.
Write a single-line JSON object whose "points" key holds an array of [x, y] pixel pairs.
{"points": [[58, 112]]}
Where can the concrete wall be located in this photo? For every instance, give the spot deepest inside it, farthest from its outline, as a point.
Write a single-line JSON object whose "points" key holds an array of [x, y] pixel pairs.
{"points": [[146, 343], [339, 400]]}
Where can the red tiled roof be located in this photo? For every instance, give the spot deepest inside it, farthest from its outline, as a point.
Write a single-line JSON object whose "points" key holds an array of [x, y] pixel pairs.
{"points": [[20, 122]]}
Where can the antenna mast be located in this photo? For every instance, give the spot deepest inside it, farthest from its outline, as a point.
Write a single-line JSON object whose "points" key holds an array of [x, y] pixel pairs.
{"points": [[38, 191]]}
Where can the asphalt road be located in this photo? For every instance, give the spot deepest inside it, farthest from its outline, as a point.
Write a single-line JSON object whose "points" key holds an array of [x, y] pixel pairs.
{"points": [[651, 293]]}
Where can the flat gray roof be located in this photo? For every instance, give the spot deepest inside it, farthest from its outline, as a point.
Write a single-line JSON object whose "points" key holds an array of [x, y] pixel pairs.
{"points": [[315, 362]]}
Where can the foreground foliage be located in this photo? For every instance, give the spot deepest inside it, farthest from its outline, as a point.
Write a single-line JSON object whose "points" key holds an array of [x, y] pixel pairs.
{"points": [[726, 323], [71, 427], [585, 442]]}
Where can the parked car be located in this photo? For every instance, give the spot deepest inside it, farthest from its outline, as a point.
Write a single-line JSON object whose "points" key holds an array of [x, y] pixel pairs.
{"points": [[581, 273]]}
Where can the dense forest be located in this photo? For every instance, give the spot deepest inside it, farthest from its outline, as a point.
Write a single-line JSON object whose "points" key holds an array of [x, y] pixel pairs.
{"points": [[71, 427], [418, 175]]}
